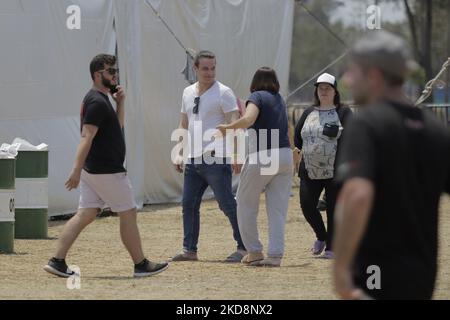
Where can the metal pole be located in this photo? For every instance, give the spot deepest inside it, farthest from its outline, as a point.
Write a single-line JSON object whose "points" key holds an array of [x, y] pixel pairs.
{"points": [[447, 89]]}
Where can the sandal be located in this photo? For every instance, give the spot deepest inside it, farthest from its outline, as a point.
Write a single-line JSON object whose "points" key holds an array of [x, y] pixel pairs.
{"points": [[253, 258]]}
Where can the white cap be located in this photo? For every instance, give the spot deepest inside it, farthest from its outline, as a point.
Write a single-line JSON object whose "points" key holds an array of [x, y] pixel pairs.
{"points": [[326, 78]]}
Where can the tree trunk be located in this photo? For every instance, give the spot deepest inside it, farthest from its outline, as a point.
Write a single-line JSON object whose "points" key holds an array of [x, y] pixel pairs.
{"points": [[447, 88], [427, 39], [413, 29]]}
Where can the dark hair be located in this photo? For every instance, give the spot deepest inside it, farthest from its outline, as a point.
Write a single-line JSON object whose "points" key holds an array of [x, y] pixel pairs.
{"points": [[265, 78], [336, 100], [386, 52], [99, 61], [391, 79], [203, 54]]}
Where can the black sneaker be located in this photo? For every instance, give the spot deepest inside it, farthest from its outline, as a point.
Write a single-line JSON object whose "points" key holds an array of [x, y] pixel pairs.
{"points": [[147, 268], [59, 268]]}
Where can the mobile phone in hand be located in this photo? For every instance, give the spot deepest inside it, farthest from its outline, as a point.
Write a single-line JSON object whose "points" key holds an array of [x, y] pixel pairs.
{"points": [[114, 89]]}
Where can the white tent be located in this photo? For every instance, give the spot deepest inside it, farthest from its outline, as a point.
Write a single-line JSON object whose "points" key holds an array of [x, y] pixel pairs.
{"points": [[44, 74]]}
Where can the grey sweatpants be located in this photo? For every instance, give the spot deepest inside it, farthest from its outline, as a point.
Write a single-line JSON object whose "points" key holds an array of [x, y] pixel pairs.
{"points": [[277, 185]]}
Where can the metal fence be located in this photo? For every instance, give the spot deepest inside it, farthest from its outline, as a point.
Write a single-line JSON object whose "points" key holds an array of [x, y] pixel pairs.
{"points": [[442, 111]]}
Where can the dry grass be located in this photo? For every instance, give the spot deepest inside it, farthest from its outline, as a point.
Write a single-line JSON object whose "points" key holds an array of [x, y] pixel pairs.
{"points": [[106, 268]]}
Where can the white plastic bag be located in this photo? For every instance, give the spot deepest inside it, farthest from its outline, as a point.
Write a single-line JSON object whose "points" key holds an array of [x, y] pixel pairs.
{"points": [[9, 151], [26, 146]]}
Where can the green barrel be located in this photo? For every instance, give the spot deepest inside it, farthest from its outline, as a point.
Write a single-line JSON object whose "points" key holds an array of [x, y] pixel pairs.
{"points": [[31, 195], [7, 185]]}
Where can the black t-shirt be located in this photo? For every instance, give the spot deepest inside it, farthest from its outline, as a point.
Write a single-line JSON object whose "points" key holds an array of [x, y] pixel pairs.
{"points": [[272, 115], [107, 153], [405, 152]]}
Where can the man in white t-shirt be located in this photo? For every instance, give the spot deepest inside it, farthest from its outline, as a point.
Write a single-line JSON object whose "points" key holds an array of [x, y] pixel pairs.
{"points": [[205, 105]]}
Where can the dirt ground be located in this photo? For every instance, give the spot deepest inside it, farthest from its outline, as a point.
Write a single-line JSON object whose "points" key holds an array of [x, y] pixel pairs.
{"points": [[106, 268]]}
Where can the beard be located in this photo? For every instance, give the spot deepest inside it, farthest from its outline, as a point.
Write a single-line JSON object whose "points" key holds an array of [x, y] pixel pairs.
{"points": [[107, 83]]}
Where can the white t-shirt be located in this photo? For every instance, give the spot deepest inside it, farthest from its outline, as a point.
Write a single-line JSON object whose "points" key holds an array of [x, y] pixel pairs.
{"points": [[214, 104]]}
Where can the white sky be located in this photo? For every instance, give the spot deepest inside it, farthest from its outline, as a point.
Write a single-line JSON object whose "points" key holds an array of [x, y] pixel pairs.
{"points": [[353, 12]]}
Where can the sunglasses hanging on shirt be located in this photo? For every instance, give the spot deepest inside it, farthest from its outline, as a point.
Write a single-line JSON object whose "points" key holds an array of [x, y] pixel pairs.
{"points": [[196, 104]]}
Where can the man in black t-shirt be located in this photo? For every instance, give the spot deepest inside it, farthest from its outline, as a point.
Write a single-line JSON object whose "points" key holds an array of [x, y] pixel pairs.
{"points": [[395, 164], [107, 153], [100, 173]]}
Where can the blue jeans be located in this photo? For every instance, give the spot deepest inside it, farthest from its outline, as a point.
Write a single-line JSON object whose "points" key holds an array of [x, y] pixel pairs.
{"points": [[197, 177]]}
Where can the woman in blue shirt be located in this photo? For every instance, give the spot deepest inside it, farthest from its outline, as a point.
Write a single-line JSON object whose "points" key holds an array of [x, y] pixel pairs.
{"points": [[268, 167]]}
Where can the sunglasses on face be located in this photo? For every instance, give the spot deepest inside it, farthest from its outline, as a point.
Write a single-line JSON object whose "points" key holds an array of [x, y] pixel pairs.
{"points": [[111, 71], [196, 103]]}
